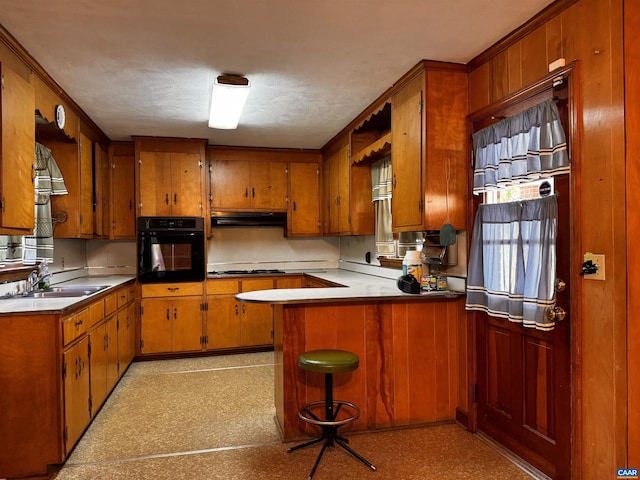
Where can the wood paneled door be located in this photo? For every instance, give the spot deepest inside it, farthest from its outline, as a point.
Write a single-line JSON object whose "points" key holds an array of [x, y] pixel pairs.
{"points": [[523, 374]]}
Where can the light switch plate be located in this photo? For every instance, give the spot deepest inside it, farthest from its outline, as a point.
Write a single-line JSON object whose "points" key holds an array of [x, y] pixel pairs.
{"points": [[597, 259]]}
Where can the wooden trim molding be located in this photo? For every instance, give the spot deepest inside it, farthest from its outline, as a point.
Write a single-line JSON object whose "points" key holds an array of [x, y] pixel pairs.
{"points": [[519, 33]]}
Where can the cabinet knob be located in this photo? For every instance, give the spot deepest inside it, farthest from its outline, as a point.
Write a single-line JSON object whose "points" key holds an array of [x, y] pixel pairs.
{"points": [[166, 199], [168, 317], [175, 198]]}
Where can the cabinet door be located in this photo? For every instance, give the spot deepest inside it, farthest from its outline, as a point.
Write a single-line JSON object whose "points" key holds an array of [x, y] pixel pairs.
{"points": [[17, 154], [111, 347], [102, 192], [339, 191], [126, 337], [86, 186], [155, 325], [229, 184], [76, 392], [154, 170], [326, 196], [223, 322], [406, 153], [256, 318], [268, 185], [122, 180], [187, 324], [304, 205], [97, 368], [186, 191]]}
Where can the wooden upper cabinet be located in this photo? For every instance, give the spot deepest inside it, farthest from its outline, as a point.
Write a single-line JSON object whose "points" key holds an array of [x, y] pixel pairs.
{"points": [[76, 164], [17, 153], [123, 222], [229, 184], [337, 204], [86, 186], [429, 148], [248, 185], [304, 204], [269, 185], [406, 156], [170, 177]]}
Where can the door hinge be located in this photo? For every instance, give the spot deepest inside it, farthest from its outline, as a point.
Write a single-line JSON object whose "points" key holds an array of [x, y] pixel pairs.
{"points": [[90, 406], [200, 163], [421, 206], [421, 108], [64, 370], [2, 204], [141, 309], [2, 81], [204, 339], [141, 344], [201, 208], [65, 434], [89, 349], [140, 161], [474, 393]]}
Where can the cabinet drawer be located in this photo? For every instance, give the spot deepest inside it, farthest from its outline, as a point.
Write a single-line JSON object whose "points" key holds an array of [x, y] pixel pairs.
{"points": [[123, 297], [110, 303], [96, 313], [74, 326], [218, 287], [258, 284], [172, 289]]}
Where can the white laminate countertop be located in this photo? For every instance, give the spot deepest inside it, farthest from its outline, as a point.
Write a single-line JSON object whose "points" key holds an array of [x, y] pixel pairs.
{"points": [[357, 287], [27, 305]]}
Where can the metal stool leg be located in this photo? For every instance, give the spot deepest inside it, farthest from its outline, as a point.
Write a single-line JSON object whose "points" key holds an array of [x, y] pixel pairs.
{"points": [[329, 426]]}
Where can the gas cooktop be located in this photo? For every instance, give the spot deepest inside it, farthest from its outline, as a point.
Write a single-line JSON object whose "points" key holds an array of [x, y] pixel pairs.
{"points": [[247, 272]]}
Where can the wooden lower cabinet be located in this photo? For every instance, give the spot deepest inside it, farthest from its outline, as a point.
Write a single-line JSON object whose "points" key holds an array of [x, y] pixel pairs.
{"points": [[49, 394], [222, 324], [233, 324], [126, 336], [77, 407], [171, 318]]}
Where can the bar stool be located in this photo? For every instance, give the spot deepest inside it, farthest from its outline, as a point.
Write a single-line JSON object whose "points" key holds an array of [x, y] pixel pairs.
{"points": [[329, 362]]}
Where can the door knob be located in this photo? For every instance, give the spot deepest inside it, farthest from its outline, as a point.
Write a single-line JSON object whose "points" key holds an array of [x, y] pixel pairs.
{"points": [[560, 285], [556, 314]]}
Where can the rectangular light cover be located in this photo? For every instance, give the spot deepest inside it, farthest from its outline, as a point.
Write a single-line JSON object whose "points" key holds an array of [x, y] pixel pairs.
{"points": [[227, 101]]}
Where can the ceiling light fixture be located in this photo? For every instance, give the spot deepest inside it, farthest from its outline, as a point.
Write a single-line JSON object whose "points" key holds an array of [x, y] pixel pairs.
{"points": [[228, 97]]}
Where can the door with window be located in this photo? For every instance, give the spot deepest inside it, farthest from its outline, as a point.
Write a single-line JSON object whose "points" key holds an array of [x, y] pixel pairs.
{"points": [[523, 373]]}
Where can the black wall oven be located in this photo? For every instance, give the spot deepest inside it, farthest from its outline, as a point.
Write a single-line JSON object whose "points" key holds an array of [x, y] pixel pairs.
{"points": [[171, 249]]}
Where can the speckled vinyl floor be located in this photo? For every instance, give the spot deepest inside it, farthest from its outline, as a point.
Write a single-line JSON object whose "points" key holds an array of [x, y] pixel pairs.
{"points": [[213, 418]]}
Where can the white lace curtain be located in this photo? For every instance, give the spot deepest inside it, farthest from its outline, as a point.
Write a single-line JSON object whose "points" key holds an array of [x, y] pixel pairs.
{"points": [[381, 176], [512, 262], [526, 146]]}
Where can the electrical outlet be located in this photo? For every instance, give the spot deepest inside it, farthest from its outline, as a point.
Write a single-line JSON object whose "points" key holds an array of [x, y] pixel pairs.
{"points": [[597, 259]]}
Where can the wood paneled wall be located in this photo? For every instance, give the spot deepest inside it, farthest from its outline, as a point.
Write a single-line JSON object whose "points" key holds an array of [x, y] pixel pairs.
{"points": [[409, 368], [632, 114], [589, 31]]}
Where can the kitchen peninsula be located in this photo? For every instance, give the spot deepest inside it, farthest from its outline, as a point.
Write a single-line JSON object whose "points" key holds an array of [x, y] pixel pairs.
{"points": [[412, 349]]}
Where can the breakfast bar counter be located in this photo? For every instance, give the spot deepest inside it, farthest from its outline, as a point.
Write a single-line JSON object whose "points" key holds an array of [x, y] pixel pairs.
{"points": [[412, 350]]}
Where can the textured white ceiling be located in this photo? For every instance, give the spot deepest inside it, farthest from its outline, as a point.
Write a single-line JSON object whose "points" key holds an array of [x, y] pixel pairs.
{"points": [[145, 67]]}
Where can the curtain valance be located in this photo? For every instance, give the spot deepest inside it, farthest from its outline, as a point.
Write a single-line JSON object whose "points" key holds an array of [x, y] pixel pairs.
{"points": [[526, 146]]}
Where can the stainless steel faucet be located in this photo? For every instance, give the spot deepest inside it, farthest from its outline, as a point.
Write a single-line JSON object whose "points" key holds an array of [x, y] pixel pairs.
{"points": [[32, 281]]}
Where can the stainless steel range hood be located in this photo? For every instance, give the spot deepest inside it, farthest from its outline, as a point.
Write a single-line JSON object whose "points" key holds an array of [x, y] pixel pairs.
{"points": [[248, 219]]}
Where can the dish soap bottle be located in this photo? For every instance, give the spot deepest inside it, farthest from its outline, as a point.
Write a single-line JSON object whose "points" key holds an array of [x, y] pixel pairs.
{"points": [[412, 264], [44, 275]]}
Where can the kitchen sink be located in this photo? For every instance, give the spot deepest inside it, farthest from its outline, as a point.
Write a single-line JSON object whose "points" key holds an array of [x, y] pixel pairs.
{"points": [[67, 291]]}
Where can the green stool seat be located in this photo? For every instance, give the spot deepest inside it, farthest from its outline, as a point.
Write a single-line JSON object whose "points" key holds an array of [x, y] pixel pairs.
{"points": [[336, 412], [328, 361]]}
